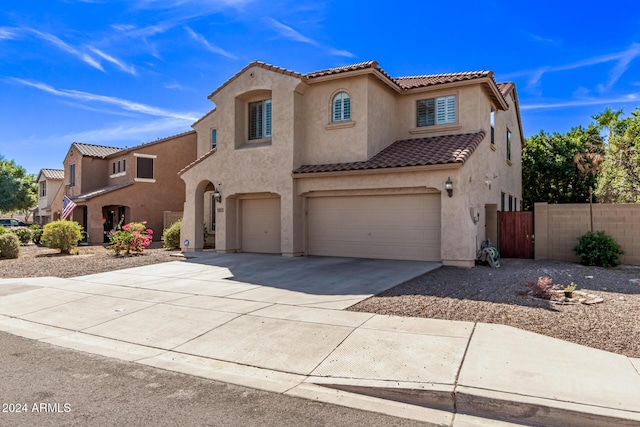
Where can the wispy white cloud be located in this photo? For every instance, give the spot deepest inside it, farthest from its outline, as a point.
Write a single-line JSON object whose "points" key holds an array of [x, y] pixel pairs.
{"points": [[60, 44], [621, 67], [538, 38], [123, 104], [210, 47], [130, 132], [630, 97], [120, 64], [622, 59], [289, 33], [292, 34], [7, 33]]}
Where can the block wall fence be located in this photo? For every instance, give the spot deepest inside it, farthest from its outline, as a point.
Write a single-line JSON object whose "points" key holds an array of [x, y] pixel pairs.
{"points": [[557, 229]]}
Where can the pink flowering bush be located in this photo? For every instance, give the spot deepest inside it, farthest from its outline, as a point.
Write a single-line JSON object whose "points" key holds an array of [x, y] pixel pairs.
{"points": [[131, 238]]}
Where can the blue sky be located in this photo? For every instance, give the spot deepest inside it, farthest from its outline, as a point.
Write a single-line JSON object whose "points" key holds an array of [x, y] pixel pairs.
{"points": [[121, 73]]}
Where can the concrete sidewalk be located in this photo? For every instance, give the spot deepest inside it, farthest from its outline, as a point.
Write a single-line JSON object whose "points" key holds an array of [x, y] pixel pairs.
{"points": [[231, 319]]}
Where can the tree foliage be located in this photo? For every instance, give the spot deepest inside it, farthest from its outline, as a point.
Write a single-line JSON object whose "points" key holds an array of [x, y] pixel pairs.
{"points": [[18, 190], [619, 177], [560, 168]]}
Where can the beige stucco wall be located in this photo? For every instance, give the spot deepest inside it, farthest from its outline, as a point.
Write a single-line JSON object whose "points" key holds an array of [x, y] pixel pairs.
{"points": [[240, 168], [303, 134], [558, 227]]}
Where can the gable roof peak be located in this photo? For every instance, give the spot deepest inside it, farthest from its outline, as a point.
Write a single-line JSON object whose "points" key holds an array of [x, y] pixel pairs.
{"points": [[92, 150]]}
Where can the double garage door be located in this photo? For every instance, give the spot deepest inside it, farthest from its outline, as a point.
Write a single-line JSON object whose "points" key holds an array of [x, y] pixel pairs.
{"points": [[389, 226]]}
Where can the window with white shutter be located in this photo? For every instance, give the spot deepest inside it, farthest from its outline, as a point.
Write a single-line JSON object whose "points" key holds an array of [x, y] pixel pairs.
{"points": [[260, 119], [341, 107], [436, 111]]}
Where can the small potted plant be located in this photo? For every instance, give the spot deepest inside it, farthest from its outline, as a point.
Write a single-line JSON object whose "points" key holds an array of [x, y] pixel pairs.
{"points": [[568, 290]]}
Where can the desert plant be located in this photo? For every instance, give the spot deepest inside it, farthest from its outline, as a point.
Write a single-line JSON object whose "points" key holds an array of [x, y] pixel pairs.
{"points": [[24, 235], [542, 288], [570, 287], [62, 234], [9, 245], [131, 238], [171, 236], [36, 231], [598, 249]]}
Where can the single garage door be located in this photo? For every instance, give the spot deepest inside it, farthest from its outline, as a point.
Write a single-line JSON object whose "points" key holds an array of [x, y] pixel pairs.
{"points": [[261, 225], [390, 226]]}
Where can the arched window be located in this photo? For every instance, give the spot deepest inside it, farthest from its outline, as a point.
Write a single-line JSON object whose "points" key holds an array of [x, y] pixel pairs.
{"points": [[341, 107]]}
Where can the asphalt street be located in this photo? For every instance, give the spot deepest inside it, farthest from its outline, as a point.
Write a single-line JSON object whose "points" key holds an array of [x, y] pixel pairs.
{"points": [[46, 385]]}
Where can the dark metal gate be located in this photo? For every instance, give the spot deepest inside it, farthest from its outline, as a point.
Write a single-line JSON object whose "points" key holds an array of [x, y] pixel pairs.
{"points": [[516, 234]]}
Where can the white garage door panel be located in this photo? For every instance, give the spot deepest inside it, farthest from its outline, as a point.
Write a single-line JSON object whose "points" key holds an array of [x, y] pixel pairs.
{"points": [[261, 226], [394, 227]]}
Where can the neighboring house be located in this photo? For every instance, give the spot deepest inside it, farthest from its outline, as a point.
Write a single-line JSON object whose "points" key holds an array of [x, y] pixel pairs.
{"points": [[49, 182], [352, 162], [113, 185]]}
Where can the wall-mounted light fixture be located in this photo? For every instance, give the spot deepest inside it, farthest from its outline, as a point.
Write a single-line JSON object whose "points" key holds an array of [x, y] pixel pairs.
{"points": [[448, 185], [216, 194]]}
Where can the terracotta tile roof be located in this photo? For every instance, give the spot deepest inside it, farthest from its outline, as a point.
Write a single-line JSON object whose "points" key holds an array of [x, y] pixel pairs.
{"points": [[195, 162], [342, 69], [446, 149], [505, 88], [91, 150], [52, 173], [101, 191], [261, 65], [411, 82]]}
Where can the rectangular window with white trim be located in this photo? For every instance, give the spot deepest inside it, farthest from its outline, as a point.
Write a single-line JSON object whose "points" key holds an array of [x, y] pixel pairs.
{"points": [[436, 111], [145, 165], [260, 119]]}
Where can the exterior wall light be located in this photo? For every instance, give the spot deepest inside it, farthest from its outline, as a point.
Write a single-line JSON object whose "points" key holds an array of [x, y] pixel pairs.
{"points": [[217, 196], [448, 185]]}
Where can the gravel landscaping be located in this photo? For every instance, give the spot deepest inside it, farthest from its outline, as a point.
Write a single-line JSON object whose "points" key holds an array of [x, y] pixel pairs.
{"points": [[498, 295], [39, 261], [481, 294]]}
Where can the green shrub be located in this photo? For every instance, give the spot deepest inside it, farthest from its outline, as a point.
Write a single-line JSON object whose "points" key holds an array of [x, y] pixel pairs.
{"points": [[598, 249], [171, 236], [9, 245], [62, 234], [131, 238], [24, 234], [2, 230], [36, 231]]}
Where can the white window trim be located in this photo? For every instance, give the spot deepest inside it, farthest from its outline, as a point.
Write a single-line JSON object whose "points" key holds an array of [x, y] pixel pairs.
{"points": [[264, 137], [333, 105], [146, 156], [455, 122], [117, 175]]}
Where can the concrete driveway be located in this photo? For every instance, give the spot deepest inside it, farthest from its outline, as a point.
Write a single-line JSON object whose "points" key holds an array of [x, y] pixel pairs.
{"points": [[278, 324]]}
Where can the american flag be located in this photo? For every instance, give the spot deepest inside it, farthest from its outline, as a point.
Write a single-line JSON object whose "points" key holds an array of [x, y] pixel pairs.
{"points": [[67, 207]]}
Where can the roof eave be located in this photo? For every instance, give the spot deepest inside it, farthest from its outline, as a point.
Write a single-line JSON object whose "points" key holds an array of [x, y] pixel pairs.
{"points": [[396, 169], [353, 73]]}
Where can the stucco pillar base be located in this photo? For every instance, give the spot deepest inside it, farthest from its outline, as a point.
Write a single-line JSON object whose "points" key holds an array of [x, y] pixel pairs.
{"points": [[191, 250], [459, 263], [292, 254]]}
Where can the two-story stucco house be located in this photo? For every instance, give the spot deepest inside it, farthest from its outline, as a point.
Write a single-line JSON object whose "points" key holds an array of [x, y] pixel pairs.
{"points": [[111, 184], [352, 162], [49, 182]]}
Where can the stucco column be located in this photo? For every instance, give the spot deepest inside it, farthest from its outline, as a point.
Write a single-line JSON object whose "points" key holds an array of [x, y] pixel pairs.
{"points": [[292, 220], [459, 233], [193, 204]]}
